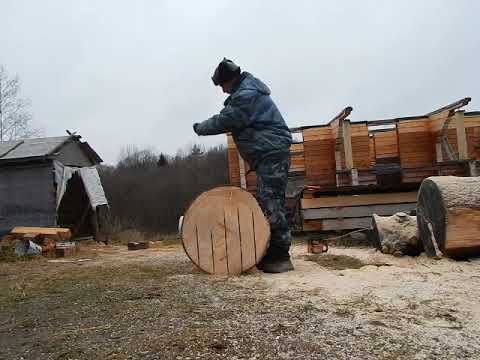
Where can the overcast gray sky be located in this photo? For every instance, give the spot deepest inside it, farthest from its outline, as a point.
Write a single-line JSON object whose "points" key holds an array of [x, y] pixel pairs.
{"points": [[138, 72]]}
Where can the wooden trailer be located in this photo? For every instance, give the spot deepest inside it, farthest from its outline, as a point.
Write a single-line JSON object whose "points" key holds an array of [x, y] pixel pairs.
{"points": [[344, 171]]}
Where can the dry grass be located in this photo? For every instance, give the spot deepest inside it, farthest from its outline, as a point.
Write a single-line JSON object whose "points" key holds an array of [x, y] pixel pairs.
{"points": [[153, 304], [126, 236]]}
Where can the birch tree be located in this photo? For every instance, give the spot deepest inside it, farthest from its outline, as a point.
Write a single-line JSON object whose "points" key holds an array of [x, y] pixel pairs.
{"points": [[15, 116]]}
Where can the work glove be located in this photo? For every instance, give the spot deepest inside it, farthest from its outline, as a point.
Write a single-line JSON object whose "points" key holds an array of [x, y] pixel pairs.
{"points": [[195, 127]]}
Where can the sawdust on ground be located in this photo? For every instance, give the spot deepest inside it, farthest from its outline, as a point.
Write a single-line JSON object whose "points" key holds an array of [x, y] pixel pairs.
{"points": [[351, 303]]}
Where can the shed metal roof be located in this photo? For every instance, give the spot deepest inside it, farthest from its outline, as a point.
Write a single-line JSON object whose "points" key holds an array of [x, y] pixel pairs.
{"points": [[30, 147], [39, 148]]}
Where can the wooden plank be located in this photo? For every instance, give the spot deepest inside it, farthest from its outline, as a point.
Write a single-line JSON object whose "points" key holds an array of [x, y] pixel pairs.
{"points": [[461, 136], [363, 199], [243, 182], [230, 142], [347, 143], [320, 147], [317, 134], [415, 126], [371, 144], [356, 211], [232, 236], [296, 147], [345, 224], [312, 225], [472, 121], [437, 121], [359, 130], [53, 233], [473, 141], [386, 144]]}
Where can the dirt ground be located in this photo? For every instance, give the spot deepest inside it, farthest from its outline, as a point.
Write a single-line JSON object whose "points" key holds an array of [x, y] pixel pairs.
{"points": [[351, 303]]}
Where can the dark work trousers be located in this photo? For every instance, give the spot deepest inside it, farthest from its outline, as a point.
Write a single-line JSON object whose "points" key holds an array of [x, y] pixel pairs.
{"points": [[272, 178]]}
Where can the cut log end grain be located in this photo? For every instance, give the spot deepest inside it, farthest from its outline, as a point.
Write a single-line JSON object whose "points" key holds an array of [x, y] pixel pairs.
{"points": [[224, 231], [448, 215]]}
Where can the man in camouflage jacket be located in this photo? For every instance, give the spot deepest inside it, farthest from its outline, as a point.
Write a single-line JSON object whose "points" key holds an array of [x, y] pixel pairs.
{"points": [[263, 140]]}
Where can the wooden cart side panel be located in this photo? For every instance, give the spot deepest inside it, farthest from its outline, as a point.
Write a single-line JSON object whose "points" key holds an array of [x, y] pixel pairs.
{"points": [[416, 143], [233, 162], [473, 142], [360, 146], [386, 144], [319, 156]]}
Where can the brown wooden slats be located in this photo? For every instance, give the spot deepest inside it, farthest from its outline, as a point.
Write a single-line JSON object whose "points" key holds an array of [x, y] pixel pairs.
{"points": [[416, 143], [473, 142], [386, 144], [361, 150], [323, 133], [319, 158]]}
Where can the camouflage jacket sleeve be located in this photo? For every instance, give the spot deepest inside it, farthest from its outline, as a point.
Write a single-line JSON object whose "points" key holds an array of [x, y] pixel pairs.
{"points": [[234, 117]]}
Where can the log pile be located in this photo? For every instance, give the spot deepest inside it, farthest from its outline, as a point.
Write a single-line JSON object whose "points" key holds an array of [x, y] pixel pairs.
{"points": [[448, 216]]}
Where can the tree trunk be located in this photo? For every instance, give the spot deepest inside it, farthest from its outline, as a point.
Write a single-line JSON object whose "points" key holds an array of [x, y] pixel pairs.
{"points": [[396, 234], [448, 215]]}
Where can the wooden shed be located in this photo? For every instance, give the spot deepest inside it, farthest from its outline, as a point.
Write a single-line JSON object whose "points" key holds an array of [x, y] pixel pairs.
{"points": [[344, 171], [51, 182]]}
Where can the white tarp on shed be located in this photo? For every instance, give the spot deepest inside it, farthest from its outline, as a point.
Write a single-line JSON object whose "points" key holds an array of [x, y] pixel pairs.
{"points": [[90, 179]]}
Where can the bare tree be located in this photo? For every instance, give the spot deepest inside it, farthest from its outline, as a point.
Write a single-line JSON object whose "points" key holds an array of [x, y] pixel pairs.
{"points": [[15, 116]]}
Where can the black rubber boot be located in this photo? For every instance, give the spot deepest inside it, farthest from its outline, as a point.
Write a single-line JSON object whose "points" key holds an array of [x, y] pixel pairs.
{"points": [[277, 266], [260, 264], [266, 258], [276, 261]]}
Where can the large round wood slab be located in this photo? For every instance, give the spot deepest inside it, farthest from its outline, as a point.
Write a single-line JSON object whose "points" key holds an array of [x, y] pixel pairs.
{"points": [[224, 231]]}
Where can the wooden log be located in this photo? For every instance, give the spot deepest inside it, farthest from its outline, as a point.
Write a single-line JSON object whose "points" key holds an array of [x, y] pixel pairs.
{"points": [[396, 234], [448, 216], [224, 231]]}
